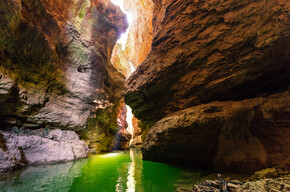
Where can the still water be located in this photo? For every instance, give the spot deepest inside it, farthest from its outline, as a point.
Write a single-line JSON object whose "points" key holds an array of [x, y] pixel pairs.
{"points": [[111, 172]]}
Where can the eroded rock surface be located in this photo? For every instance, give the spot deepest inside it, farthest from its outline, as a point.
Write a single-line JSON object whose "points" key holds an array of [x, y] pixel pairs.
{"points": [[204, 51], [237, 135], [20, 150], [55, 69], [212, 88], [70, 69]]}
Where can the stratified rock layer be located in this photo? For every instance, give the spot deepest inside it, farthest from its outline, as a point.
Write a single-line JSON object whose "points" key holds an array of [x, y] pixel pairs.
{"points": [[237, 135], [204, 51]]}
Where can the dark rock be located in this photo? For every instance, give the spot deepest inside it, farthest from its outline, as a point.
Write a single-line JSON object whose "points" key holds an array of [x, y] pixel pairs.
{"points": [[242, 135]]}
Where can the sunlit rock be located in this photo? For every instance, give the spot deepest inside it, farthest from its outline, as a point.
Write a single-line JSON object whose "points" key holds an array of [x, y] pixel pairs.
{"points": [[140, 35], [120, 61]]}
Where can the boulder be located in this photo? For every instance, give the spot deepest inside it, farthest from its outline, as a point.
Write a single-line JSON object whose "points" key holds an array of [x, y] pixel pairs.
{"points": [[58, 146]]}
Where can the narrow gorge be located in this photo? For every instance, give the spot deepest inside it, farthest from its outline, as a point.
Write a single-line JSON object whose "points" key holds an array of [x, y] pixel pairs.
{"points": [[144, 95]]}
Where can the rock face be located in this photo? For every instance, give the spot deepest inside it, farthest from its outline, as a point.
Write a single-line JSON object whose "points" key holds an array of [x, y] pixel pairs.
{"points": [[120, 61], [139, 38], [55, 67], [58, 146], [245, 135], [140, 35], [54, 74], [204, 51], [123, 137], [137, 132], [213, 85]]}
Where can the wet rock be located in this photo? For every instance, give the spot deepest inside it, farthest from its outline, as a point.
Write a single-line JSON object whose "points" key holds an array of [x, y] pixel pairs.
{"points": [[59, 146], [123, 137]]}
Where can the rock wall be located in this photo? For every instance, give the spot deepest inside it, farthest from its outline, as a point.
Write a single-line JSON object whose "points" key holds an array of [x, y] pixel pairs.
{"points": [[208, 84], [55, 69], [137, 134], [243, 135], [123, 136], [205, 51], [140, 35], [120, 61]]}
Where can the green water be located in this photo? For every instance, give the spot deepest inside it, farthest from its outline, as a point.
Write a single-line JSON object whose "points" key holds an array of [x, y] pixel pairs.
{"points": [[119, 171]]}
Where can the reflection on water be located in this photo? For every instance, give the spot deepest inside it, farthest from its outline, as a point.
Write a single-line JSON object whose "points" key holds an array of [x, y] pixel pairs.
{"points": [[43, 178], [118, 171], [131, 174]]}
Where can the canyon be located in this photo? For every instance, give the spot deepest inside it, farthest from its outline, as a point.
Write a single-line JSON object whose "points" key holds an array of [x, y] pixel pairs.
{"points": [[210, 89]]}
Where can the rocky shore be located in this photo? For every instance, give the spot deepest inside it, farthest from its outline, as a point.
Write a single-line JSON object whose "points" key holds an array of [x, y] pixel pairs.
{"points": [[261, 185], [19, 150], [275, 179]]}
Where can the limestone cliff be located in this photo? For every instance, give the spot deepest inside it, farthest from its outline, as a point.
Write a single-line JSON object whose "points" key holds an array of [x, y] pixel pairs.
{"points": [[55, 69], [206, 58]]}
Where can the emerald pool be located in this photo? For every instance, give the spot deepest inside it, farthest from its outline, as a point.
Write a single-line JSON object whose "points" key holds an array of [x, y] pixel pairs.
{"points": [[122, 171]]}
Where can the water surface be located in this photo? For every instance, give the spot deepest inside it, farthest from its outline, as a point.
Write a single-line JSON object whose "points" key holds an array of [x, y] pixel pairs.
{"points": [[119, 171]]}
